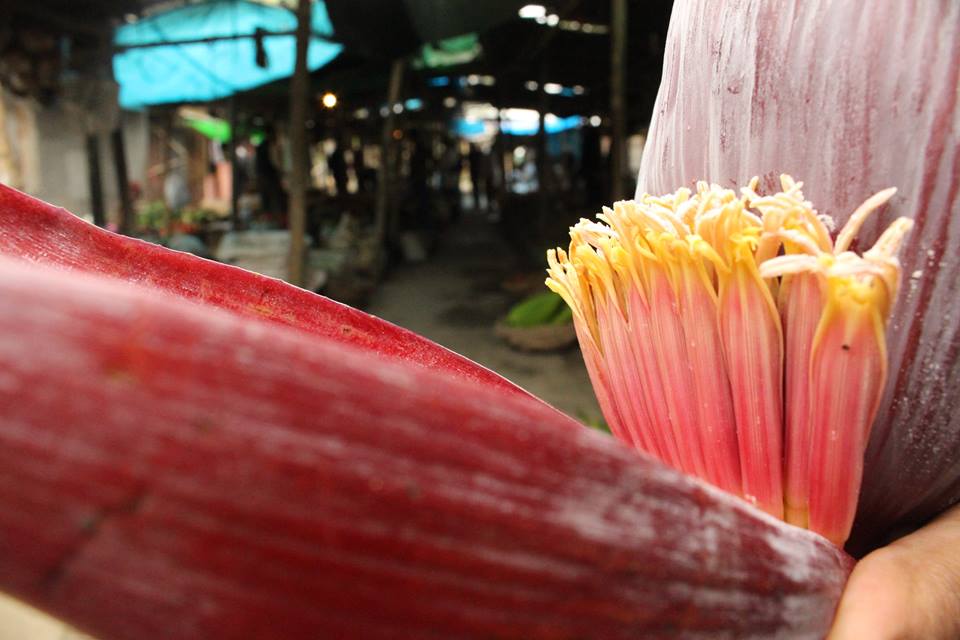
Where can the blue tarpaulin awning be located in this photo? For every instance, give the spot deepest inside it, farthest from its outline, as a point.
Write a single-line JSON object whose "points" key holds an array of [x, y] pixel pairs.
{"points": [[192, 71]]}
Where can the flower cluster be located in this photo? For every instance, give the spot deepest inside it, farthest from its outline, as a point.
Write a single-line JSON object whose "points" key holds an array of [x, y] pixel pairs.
{"points": [[729, 336]]}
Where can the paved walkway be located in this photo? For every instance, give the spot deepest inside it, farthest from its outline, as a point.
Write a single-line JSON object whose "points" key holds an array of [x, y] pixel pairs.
{"points": [[455, 299]]}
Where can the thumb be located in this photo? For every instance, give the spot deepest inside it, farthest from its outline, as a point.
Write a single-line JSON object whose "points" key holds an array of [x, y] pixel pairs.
{"points": [[910, 589]]}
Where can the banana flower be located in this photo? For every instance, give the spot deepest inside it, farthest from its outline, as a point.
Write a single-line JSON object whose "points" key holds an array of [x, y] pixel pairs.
{"points": [[190, 450], [810, 89]]}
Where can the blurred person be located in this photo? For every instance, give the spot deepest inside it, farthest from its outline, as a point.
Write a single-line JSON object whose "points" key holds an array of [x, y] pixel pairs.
{"points": [[592, 167], [338, 168], [493, 175], [420, 176], [366, 175], [478, 168], [450, 166], [272, 197]]}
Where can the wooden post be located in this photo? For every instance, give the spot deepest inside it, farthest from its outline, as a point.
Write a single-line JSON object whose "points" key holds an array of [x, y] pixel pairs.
{"points": [[166, 136], [234, 167], [543, 166], [499, 153], [123, 182], [618, 47], [96, 186], [9, 165], [299, 95], [384, 179]]}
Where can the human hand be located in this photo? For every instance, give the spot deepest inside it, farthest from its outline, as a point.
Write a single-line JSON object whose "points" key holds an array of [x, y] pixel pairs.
{"points": [[907, 590]]}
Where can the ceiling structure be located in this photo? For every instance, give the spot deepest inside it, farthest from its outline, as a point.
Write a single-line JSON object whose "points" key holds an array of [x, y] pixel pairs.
{"points": [[45, 42], [557, 60], [202, 52], [522, 56]]}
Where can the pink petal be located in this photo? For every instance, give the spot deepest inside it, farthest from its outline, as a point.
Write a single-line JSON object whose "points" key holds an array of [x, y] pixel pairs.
{"points": [[848, 368], [708, 385], [34, 230], [750, 330], [801, 305]]}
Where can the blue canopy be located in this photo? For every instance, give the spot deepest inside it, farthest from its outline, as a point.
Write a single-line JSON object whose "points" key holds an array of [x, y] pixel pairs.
{"points": [[203, 71]]}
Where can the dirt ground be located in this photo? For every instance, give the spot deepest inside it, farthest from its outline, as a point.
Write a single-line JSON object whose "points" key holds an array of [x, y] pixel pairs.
{"points": [[456, 297]]}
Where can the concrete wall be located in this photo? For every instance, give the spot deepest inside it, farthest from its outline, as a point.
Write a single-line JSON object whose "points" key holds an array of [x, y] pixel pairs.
{"points": [[48, 146]]}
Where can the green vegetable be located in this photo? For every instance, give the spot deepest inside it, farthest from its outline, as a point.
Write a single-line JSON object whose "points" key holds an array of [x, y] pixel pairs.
{"points": [[538, 309], [564, 316]]}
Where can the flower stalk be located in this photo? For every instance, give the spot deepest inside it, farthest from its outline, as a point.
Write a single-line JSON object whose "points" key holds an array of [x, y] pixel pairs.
{"points": [[729, 336]]}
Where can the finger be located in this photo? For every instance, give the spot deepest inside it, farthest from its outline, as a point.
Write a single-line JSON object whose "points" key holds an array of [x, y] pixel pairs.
{"points": [[908, 590]]}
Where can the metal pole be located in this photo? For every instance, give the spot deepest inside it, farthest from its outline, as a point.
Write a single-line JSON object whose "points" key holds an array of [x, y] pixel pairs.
{"points": [[618, 47], [123, 182], [93, 173], [299, 95]]}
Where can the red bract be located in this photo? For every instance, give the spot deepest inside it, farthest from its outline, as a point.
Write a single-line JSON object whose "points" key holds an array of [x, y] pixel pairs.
{"points": [[34, 230], [854, 99], [170, 469]]}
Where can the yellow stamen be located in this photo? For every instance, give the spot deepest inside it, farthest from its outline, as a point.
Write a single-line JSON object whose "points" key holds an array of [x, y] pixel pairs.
{"points": [[697, 311]]}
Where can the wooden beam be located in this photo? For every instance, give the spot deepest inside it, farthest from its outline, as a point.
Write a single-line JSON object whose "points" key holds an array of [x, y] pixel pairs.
{"points": [[234, 165], [210, 40], [299, 95], [93, 175], [68, 19], [123, 181], [544, 176], [9, 165], [384, 179], [165, 136], [499, 153]]}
